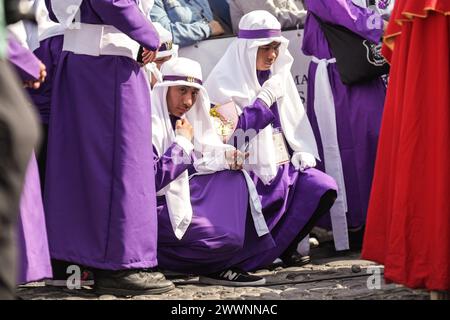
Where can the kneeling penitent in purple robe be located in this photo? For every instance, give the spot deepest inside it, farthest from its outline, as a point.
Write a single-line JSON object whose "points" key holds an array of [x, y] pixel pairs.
{"points": [[255, 74], [208, 219]]}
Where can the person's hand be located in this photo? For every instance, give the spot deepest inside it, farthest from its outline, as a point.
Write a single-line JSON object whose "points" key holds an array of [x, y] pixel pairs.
{"points": [[185, 129], [43, 73], [36, 84], [148, 56], [272, 90], [236, 159], [303, 161], [216, 28]]}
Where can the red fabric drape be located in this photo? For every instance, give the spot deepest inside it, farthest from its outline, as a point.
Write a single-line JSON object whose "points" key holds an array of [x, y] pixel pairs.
{"points": [[408, 226]]}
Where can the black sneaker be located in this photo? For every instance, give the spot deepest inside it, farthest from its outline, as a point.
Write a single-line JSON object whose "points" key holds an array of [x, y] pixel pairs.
{"points": [[295, 260], [64, 275], [232, 277], [131, 282]]}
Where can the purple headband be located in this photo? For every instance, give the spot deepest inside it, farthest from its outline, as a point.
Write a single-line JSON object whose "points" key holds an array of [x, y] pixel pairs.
{"points": [[259, 34], [166, 46], [181, 78]]}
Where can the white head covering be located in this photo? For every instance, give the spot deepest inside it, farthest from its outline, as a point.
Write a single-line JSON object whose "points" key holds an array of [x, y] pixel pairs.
{"points": [[235, 78], [185, 72], [167, 48]]}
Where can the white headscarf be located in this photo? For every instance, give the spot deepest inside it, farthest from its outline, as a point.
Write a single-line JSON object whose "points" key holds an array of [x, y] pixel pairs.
{"points": [[235, 78]]}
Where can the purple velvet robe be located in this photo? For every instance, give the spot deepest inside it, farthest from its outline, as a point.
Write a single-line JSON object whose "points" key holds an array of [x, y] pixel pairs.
{"points": [[48, 52], [358, 107], [100, 193], [290, 200]]}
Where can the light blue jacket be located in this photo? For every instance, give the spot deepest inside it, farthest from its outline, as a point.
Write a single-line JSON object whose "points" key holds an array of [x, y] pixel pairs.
{"points": [[186, 19]]}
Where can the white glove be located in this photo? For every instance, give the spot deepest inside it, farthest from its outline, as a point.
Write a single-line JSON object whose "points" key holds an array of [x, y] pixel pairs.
{"points": [[272, 90], [152, 69], [303, 161]]}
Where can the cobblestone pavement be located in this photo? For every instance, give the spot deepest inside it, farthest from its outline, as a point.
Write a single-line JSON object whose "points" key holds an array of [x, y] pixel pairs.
{"points": [[337, 277]]}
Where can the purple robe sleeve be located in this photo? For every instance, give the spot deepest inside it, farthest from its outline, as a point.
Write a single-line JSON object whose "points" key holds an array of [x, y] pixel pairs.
{"points": [[167, 169], [126, 16], [25, 62], [255, 117], [345, 13]]}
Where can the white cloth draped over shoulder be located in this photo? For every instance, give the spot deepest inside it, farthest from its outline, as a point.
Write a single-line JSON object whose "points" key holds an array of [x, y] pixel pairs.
{"points": [[235, 78], [382, 7]]}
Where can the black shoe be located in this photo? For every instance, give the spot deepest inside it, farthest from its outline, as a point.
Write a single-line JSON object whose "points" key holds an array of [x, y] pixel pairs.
{"points": [[232, 277], [296, 260], [64, 272], [131, 282]]}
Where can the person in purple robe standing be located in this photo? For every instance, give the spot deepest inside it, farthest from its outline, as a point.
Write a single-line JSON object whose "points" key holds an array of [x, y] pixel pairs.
{"points": [[346, 119], [255, 74], [203, 220], [100, 197], [33, 250]]}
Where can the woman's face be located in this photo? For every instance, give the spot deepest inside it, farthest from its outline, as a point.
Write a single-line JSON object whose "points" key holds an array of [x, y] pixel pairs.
{"points": [[267, 55], [180, 99]]}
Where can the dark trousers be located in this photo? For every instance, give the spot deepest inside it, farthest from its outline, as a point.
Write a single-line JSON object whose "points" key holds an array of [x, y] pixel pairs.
{"points": [[42, 156], [19, 134]]}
